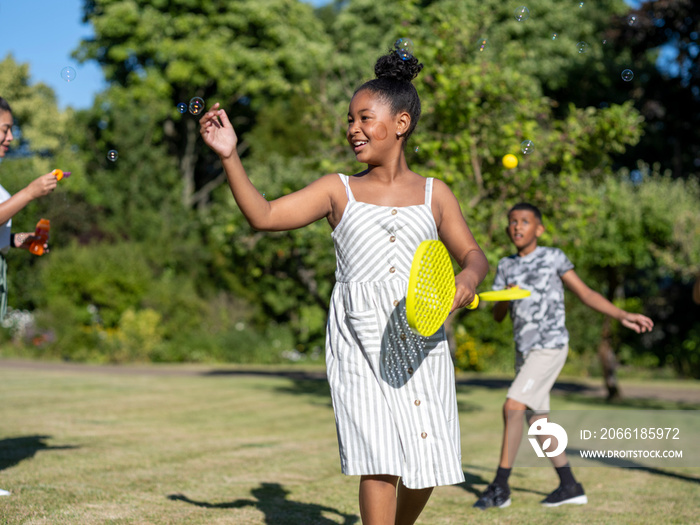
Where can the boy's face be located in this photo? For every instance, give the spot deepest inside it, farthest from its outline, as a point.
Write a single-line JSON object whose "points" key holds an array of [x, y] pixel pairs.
{"points": [[6, 137], [524, 228]]}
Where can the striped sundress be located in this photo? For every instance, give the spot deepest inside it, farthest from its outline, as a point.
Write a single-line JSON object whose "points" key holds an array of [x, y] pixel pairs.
{"points": [[393, 391]]}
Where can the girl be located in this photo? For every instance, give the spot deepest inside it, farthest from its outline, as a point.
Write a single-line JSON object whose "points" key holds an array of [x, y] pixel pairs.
{"points": [[11, 204], [393, 392]]}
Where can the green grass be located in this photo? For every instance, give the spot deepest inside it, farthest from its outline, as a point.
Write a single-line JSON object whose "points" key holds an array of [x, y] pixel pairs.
{"points": [[93, 448]]}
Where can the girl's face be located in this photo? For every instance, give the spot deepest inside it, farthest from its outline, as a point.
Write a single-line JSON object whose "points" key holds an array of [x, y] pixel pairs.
{"points": [[372, 128], [6, 137]]}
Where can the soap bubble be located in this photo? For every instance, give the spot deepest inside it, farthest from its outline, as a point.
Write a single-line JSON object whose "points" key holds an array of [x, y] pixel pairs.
{"points": [[482, 44], [627, 75], [554, 36], [527, 147], [582, 47], [112, 155], [68, 74], [580, 5], [196, 106], [631, 20], [182, 107], [416, 150], [522, 13], [404, 47]]}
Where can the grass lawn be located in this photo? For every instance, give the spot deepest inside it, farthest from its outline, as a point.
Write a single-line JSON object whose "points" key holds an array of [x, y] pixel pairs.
{"points": [[199, 448]]}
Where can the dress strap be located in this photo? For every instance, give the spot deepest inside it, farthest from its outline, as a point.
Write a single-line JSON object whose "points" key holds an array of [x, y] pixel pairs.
{"points": [[428, 191], [346, 183]]}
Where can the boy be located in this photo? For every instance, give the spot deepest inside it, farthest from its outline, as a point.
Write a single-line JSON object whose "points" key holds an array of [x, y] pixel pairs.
{"points": [[10, 205], [541, 344]]}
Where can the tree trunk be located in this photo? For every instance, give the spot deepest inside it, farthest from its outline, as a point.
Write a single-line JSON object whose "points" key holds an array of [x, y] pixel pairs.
{"points": [[606, 352], [608, 361], [187, 163]]}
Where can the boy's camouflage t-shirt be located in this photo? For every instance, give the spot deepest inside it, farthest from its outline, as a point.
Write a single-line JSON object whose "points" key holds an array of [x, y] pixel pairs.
{"points": [[538, 320]]}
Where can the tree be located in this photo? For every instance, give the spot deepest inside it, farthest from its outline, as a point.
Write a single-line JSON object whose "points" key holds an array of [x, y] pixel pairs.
{"points": [[661, 38], [240, 53]]}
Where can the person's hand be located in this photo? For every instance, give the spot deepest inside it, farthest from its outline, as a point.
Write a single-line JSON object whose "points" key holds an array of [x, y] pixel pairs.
{"points": [[217, 132], [24, 240], [42, 185], [637, 322], [465, 291]]}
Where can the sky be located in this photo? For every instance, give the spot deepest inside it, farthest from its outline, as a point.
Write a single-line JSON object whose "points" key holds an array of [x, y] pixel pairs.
{"points": [[43, 34]]}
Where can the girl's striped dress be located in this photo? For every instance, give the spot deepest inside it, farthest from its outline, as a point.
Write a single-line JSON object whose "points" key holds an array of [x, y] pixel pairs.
{"points": [[393, 391]]}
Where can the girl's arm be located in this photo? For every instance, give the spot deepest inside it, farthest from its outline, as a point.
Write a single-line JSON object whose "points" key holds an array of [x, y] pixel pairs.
{"points": [[37, 188], [592, 299], [286, 213], [460, 242]]}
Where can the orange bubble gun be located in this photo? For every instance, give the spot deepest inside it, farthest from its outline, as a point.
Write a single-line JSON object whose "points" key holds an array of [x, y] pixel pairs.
{"points": [[42, 237], [60, 174]]}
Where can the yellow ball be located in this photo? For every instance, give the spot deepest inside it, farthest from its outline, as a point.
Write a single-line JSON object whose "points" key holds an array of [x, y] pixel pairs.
{"points": [[510, 161]]}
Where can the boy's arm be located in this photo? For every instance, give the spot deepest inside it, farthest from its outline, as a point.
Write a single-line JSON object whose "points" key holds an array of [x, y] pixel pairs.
{"points": [[500, 309], [592, 299]]}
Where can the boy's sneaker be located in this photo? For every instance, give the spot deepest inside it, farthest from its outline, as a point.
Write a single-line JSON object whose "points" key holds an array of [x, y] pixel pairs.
{"points": [[566, 494], [4, 493], [494, 496]]}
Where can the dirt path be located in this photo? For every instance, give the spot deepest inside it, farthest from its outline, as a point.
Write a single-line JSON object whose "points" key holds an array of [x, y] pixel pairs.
{"points": [[687, 391]]}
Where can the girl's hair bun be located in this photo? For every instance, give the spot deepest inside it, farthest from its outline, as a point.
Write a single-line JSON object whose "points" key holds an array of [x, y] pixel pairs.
{"points": [[393, 66]]}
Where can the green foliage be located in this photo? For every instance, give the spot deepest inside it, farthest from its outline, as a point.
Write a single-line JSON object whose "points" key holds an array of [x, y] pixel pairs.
{"points": [[151, 259]]}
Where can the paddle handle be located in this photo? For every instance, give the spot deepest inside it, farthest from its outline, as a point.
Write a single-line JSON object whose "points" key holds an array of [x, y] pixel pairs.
{"points": [[474, 303]]}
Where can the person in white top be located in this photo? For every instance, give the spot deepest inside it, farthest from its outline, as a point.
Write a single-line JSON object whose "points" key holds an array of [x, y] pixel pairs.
{"points": [[10, 205]]}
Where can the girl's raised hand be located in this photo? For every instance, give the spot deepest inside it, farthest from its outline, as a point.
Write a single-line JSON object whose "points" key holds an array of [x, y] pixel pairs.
{"points": [[217, 132]]}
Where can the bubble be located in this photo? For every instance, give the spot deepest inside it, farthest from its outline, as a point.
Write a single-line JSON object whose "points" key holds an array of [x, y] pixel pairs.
{"points": [[527, 147], [416, 150], [112, 155], [182, 107], [580, 5], [68, 74], [605, 41], [404, 47], [264, 196], [482, 44], [636, 177], [582, 47], [627, 75], [196, 106], [522, 13], [631, 20], [554, 36]]}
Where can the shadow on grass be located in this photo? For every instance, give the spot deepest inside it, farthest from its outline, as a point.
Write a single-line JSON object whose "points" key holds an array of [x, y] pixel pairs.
{"points": [[470, 480], [14, 450], [271, 500], [636, 403], [626, 463]]}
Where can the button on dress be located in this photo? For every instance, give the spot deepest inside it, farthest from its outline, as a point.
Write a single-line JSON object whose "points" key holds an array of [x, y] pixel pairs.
{"points": [[393, 391]]}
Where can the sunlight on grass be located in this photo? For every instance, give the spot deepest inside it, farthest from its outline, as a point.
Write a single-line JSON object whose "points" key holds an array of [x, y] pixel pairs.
{"points": [[94, 448]]}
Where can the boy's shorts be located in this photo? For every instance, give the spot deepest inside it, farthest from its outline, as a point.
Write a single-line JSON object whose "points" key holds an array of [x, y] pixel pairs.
{"points": [[535, 377]]}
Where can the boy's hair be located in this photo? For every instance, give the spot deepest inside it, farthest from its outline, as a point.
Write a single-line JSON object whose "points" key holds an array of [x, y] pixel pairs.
{"points": [[393, 84], [4, 106], [528, 207]]}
